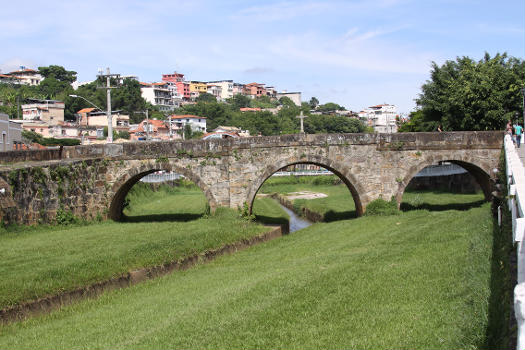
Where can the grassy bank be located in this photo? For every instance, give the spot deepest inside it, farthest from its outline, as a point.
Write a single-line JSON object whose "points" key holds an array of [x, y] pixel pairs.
{"points": [[339, 203], [161, 226], [415, 280]]}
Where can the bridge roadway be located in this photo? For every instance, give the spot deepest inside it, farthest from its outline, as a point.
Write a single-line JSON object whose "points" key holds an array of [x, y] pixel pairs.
{"points": [[94, 180]]}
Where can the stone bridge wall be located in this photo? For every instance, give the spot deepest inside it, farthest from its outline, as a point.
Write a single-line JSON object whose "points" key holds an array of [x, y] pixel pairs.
{"points": [[93, 181]]}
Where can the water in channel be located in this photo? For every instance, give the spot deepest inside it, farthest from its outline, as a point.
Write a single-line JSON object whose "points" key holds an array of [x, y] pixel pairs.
{"points": [[296, 222]]}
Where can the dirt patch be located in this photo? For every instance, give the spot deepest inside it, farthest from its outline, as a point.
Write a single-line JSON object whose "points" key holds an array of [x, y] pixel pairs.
{"points": [[305, 195], [53, 302]]}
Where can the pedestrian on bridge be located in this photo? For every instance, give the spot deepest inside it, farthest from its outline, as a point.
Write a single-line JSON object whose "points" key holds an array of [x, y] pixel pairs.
{"points": [[518, 130], [508, 131]]}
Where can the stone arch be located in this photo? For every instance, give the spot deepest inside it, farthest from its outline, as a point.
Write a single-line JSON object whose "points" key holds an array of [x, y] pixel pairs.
{"points": [[348, 179], [480, 175], [122, 185]]}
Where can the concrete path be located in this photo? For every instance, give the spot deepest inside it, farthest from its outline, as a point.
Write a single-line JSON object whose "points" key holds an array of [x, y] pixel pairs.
{"points": [[521, 153]]}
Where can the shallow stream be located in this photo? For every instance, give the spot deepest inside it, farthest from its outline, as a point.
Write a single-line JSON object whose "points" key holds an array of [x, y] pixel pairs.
{"points": [[296, 222]]}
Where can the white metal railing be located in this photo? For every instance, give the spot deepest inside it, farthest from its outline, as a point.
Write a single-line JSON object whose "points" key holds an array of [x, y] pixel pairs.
{"points": [[516, 184], [161, 176]]}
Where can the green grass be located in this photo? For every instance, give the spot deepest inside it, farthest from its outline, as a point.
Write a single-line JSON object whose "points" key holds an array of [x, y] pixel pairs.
{"points": [[338, 205], [268, 212], [163, 226], [439, 200], [418, 280]]}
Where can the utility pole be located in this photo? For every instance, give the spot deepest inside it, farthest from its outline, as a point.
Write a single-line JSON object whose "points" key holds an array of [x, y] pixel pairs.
{"points": [[108, 88]]}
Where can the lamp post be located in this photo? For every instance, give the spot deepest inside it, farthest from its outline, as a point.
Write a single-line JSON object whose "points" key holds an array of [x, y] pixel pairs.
{"points": [[85, 99]]}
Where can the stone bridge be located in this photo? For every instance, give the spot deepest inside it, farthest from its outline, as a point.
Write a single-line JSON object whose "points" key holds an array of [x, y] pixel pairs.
{"points": [[93, 180]]}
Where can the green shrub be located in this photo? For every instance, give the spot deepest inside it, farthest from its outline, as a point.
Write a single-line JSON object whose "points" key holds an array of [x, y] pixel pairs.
{"points": [[65, 217], [380, 207]]}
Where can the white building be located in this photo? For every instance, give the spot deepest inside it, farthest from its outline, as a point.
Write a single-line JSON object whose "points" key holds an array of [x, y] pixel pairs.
{"points": [[216, 91], [381, 117], [27, 76], [294, 96], [160, 94], [226, 88], [197, 123]]}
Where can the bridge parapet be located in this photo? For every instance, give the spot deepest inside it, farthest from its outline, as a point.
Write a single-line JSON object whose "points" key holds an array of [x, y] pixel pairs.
{"points": [[384, 142]]}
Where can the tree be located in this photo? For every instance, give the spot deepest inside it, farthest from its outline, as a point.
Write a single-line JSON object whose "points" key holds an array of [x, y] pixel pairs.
{"points": [[330, 107], [314, 102], [206, 97], [128, 98], [469, 95], [263, 102], [59, 73], [316, 124], [287, 101], [239, 101]]}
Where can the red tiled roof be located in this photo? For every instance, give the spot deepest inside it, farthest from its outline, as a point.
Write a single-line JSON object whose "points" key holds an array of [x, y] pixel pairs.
{"points": [[248, 109], [86, 110], [23, 70]]}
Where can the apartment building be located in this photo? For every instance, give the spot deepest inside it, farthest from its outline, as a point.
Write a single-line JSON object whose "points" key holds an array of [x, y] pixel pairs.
{"points": [[183, 87], [383, 118], [47, 111], [238, 89], [216, 91], [254, 90], [226, 88], [198, 86], [161, 95]]}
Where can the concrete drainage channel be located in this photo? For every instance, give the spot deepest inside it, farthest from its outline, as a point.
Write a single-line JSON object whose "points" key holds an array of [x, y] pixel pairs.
{"points": [[50, 303]]}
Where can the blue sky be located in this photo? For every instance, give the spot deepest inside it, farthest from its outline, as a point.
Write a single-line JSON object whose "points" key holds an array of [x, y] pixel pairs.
{"points": [[355, 53]]}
